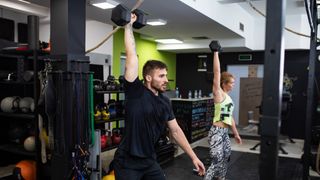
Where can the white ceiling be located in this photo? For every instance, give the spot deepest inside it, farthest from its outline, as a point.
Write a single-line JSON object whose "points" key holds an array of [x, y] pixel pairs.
{"points": [[184, 22]]}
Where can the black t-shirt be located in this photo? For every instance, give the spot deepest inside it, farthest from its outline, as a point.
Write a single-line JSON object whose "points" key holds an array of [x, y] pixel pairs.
{"points": [[145, 119]]}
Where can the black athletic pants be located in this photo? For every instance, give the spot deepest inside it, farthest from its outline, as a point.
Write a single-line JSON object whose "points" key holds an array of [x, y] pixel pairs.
{"points": [[128, 167]]}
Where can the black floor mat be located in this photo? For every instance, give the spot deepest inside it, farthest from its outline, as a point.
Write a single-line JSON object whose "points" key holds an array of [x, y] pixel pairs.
{"points": [[242, 166]]}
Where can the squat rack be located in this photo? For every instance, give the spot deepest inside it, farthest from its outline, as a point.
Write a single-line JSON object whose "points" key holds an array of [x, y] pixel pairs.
{"points": [[272, 87], [311, 8]]}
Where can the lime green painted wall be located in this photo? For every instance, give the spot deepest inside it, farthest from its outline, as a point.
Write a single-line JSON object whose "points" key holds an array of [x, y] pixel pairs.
{"points": [[146, 50]]}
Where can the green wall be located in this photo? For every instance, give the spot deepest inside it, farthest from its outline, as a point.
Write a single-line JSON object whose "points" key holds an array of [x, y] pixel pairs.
{"points": [[146, 50]]}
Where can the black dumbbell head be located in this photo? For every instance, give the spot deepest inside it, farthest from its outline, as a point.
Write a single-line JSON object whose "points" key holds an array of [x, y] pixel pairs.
{"points": [[111, 78], [215, 46], [141, 19], [120, 15], [121, 79]]}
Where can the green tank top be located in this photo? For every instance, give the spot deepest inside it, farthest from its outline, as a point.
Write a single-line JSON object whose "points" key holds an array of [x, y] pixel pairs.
{"points": [[223, 110]]}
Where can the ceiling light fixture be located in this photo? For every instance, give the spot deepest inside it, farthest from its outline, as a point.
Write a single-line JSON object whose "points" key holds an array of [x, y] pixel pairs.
{"points": [[25, 7], [169, 41], [24, 1], [104, 4], [156, 22]]}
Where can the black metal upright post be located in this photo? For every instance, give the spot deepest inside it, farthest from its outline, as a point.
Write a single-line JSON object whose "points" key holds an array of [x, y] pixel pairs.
{"points": [[272, 89], [33, 43], [67, 34], [310, 107], [68, 86]]}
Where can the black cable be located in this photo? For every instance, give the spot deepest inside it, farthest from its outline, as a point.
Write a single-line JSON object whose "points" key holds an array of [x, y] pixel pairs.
{"points": [[308, 10], [287, 29]]}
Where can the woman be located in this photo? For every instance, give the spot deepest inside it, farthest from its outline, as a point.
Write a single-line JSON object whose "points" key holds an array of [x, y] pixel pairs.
{"points": [[219, 142]]}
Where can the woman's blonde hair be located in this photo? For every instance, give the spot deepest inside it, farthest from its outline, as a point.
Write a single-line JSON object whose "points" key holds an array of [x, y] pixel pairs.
{"points": [[225, 78]]}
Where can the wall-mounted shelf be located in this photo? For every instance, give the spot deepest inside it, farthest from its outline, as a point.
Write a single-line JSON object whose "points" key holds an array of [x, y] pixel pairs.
{"points": [[12, 51], [109, 148], [19, 83], [16, 149], [17, 115], [106, 92], [110, 123], [109, 120]]}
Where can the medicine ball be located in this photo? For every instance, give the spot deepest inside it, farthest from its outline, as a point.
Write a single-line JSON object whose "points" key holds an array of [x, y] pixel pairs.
{"points": [[10, 104], [29, 143], [109, 177], [28, 75], [25, 169], [25, 104]]}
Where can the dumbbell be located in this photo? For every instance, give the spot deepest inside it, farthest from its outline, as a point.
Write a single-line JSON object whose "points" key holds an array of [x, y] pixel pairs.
{"points": [[141, 21], [121, 16], [215, 46]]}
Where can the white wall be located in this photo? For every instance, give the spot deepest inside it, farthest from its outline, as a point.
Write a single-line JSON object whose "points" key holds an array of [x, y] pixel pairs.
{"points": [[298, 24], [44, 32], [95, 32], [254, 25], [239, 71], [260, 31], [17, 17]]}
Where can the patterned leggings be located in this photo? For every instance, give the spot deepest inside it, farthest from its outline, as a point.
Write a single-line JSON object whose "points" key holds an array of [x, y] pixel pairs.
{"points": [[220, 151]]}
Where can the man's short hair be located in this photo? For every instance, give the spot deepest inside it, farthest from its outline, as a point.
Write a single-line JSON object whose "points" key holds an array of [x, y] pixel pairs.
{"points": [[151, 65]]}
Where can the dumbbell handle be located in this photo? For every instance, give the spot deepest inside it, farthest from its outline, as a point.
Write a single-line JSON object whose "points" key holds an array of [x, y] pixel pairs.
{"points": [[136, 6]]}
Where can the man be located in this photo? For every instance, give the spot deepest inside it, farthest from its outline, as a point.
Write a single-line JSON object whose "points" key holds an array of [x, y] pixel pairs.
{"points": [[147, 114]]}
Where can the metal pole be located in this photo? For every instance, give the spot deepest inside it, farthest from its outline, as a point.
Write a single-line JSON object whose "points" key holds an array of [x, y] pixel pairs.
{"points": [[68, 81], [272, 89], [310, 111], [33, 42]]}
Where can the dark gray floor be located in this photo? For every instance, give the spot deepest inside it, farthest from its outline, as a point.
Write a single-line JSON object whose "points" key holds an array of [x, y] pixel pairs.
{"points": [[242, 166]]}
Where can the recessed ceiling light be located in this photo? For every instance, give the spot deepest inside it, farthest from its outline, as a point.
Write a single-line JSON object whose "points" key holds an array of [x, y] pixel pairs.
{"points": [[169, 41], [156, 22], [104, 4]]}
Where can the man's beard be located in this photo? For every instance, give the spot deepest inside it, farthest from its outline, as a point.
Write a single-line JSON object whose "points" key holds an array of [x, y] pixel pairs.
{"points": [[160, 89]]}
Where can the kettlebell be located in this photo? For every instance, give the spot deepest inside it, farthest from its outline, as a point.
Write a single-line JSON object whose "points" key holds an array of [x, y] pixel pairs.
{"points": [[97, 114], [103, 141], [104, 113], [108, 140], [98, 84], [116, 137]]}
